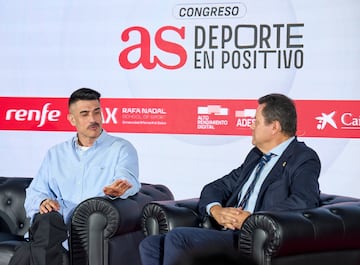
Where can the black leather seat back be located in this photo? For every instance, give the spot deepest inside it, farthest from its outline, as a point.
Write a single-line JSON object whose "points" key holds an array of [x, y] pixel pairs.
{"points": [[12, 212]]}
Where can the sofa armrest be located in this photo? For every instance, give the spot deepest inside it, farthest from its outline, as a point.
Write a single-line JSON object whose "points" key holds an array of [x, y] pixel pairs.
{"points": [[160, 217], [331, 227], [98, 219]]}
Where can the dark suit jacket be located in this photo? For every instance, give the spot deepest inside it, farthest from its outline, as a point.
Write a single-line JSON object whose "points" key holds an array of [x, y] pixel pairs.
{"points": [[291, 184]]}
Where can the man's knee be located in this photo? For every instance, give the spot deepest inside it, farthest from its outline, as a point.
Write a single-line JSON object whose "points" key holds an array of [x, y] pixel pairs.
{"points": [[179, 237], [52, 217], [48, 229]]}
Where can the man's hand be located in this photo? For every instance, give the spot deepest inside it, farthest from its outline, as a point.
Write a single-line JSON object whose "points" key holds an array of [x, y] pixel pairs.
{"points": [[229, 217], [117, 188], [49, 205]]}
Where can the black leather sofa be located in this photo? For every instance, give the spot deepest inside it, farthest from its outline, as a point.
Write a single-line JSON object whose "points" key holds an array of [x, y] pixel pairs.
{"points": [[329, 234], [13, 221], [103, 231]]}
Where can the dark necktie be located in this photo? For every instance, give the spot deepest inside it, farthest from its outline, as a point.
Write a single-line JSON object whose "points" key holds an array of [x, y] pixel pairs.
{"points": [[260, 166]]}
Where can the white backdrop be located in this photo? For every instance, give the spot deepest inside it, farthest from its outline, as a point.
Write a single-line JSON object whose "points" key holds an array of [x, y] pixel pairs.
{"points": [[50, 48]]}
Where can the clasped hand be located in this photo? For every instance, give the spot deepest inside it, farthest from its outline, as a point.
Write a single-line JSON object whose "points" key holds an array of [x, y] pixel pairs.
{"points": [[229, 217]]}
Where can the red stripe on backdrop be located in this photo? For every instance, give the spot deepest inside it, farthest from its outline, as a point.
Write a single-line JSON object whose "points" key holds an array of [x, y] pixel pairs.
{"points": [[316, 118]]}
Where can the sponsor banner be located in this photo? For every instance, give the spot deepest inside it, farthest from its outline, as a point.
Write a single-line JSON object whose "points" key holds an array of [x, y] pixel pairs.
{"points": [[316, 118], [329, 118]]}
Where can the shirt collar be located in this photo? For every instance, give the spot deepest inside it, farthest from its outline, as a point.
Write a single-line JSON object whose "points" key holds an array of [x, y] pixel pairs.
{"points": [[99, 140], [278, 150]]}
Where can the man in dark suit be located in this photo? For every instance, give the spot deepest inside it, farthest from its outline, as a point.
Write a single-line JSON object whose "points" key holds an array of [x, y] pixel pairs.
{"points": [[279, 173]]}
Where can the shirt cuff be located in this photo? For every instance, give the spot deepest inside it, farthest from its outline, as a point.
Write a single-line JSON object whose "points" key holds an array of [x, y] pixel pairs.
{"points": [[208, 207]]}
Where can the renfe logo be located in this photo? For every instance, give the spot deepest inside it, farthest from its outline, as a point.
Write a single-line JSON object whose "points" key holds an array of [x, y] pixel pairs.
{"points": [[143, 48], [42, 115]]}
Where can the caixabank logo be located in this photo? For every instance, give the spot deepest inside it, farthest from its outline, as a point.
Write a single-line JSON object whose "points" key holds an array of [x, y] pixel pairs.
{"points": [[329, 118], [342, 121], [213, 36]]}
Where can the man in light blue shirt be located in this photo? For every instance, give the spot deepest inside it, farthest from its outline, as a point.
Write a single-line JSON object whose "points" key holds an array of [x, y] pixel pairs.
{"points": [[92, 163]]}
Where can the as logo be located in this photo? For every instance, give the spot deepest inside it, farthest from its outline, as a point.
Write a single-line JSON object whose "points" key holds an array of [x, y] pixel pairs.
{"points": [[325, 119], [143, 49]]}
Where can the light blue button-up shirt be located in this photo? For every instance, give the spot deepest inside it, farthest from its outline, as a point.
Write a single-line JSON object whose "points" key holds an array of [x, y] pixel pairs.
{"points": [[70, 175]]}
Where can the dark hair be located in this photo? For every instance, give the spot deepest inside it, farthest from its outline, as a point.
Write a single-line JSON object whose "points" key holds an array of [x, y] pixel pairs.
{"points": [[83, 94], [280, 108]]}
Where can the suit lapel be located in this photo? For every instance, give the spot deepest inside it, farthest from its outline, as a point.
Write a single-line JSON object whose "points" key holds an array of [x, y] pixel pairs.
{"points": [[245, 174], [276, 172]]}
